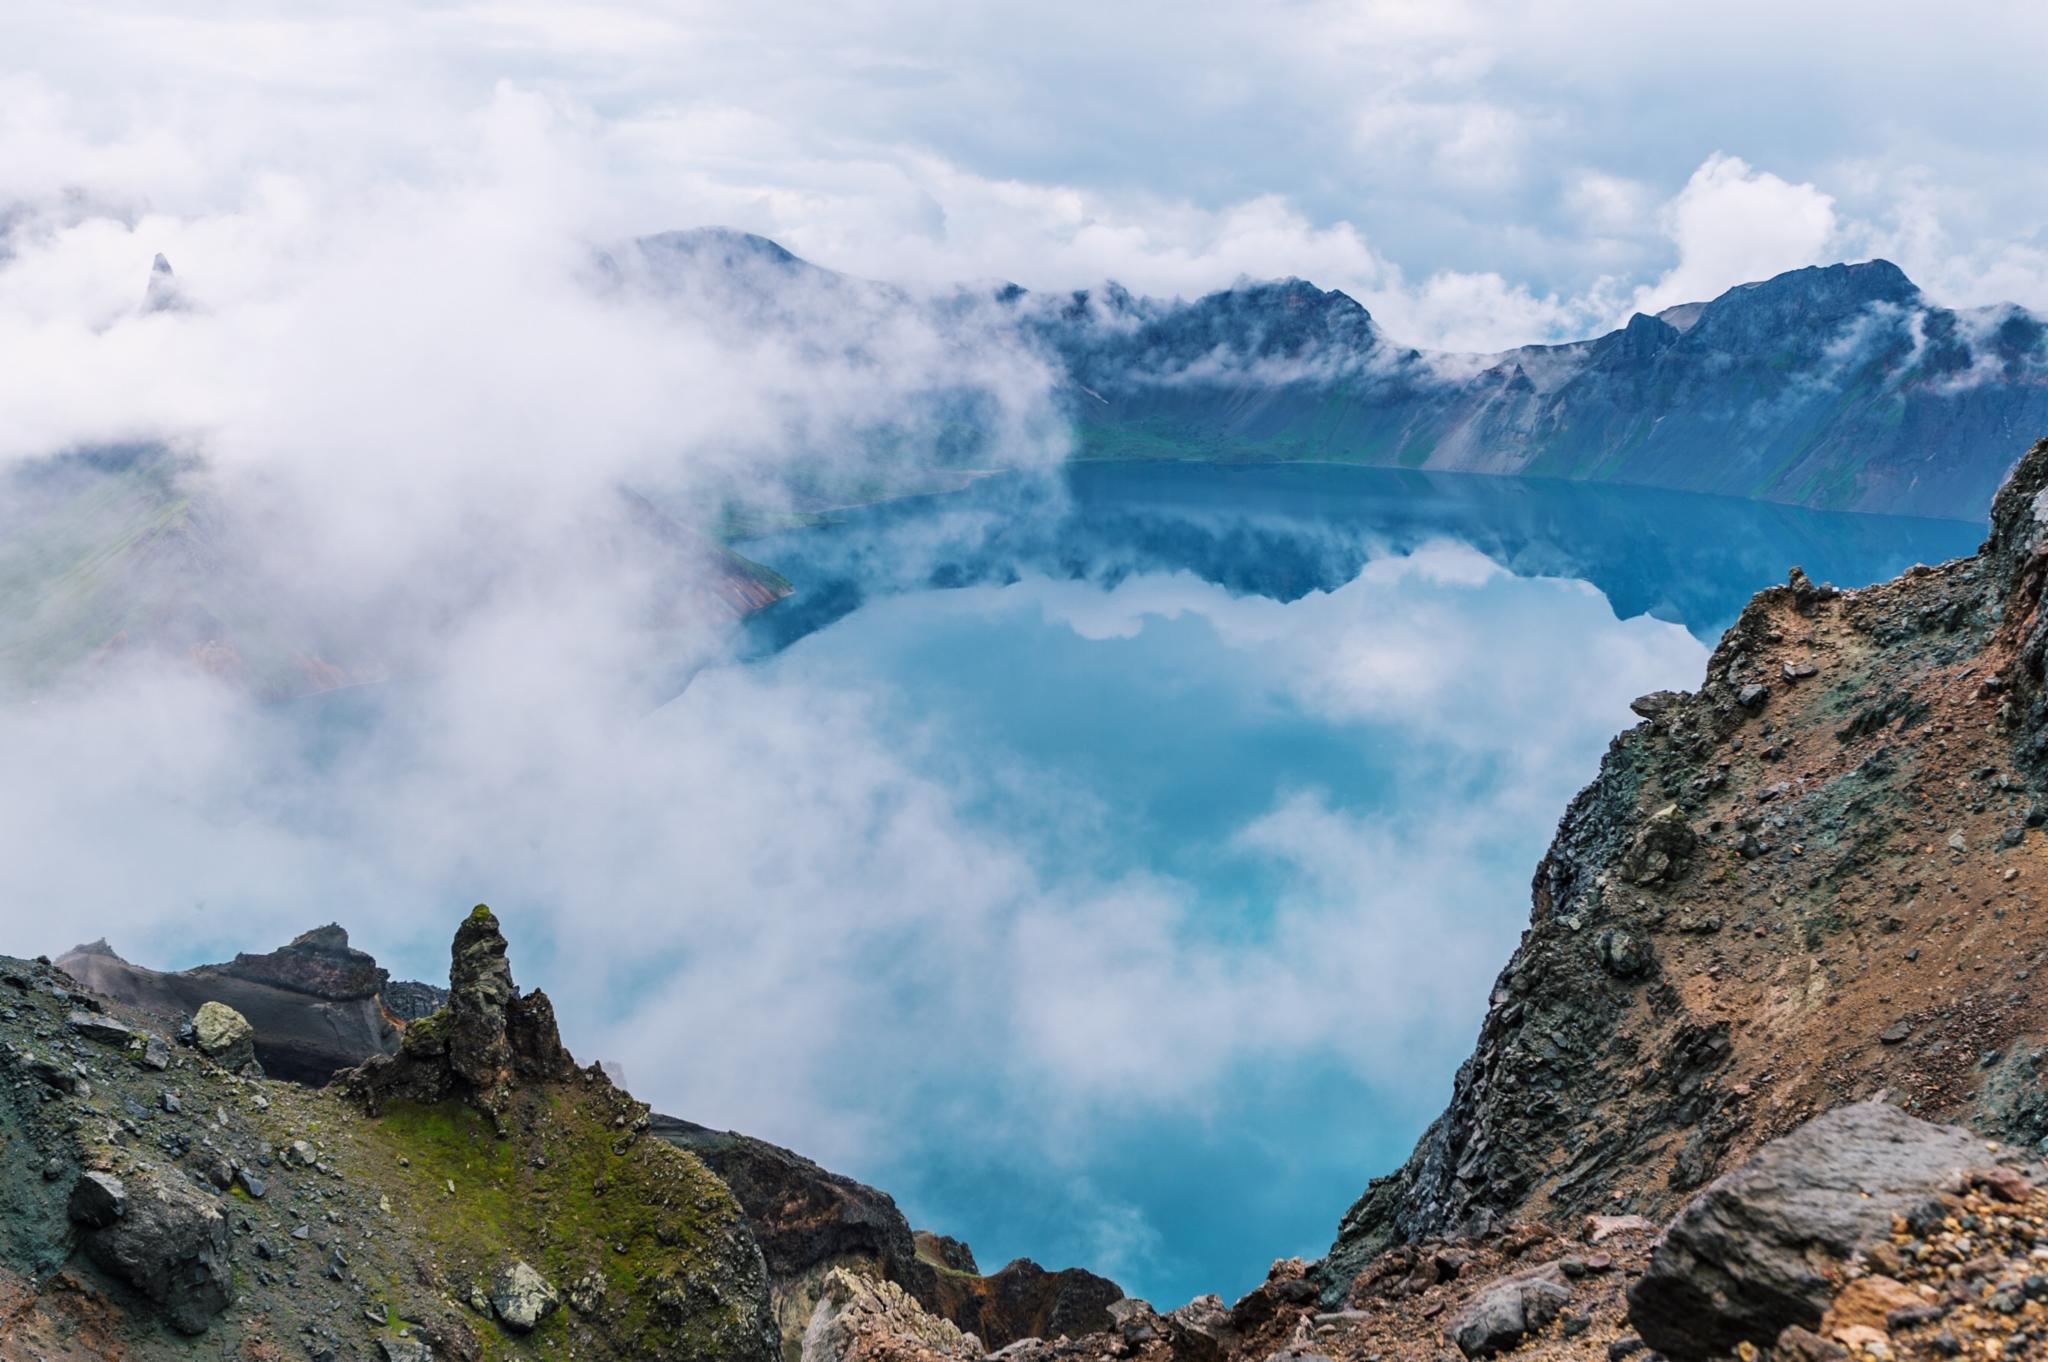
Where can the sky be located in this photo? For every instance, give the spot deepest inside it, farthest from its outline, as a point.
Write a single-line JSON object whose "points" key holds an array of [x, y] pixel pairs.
{"points": [[1481, 175], [408, 396]]}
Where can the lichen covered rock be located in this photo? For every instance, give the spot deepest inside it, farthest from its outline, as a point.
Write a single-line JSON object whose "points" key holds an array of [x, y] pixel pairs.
{"points": [[521, 1298], [224, 1036]]}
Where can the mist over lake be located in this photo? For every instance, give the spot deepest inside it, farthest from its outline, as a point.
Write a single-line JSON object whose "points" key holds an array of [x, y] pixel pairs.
{"points": [[1282, 747]]}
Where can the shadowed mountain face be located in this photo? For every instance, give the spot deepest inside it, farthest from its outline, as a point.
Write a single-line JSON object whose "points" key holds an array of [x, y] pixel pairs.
{"points": [[316, 1005], [1839, 387]]}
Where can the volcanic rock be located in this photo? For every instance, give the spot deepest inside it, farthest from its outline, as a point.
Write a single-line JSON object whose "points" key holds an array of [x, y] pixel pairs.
{"points": [[1747, 1257], [315, 1004], [165, 1238], [485, 1040], [1498, 1318]]}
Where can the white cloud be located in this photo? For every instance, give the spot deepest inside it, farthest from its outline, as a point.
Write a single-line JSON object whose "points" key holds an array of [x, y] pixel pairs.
{"points": [[1732, 225]]}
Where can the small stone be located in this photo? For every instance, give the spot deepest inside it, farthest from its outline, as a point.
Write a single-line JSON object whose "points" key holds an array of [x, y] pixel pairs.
{"points": [[1752, 695], [522, 1298], [251, 1183], [1896, 1032], [1956, 842]]}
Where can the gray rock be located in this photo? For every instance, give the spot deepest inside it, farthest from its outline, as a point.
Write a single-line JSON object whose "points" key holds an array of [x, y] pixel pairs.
{"points": [[404, 1350], [171, 1244], [1657, 702], [156, 1053], [1623, 954], [97, 1200], [586, 1294], [522, 1298], [1501, 1316], [105, 1030], [1661, 849], [1744, 1260], [224, 1036], [1752, 696]]}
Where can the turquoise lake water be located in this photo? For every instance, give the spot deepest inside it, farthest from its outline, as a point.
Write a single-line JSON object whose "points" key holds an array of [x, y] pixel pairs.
{"points": [[1310, 728], [1112, 864]]}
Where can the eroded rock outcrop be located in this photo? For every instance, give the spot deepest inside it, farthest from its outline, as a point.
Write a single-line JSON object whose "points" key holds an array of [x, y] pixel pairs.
{"points": [[487, 1038], [861, 1319]]}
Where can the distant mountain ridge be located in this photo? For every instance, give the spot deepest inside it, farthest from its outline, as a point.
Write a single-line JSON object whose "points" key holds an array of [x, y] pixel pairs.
{"points": [[1839, 387]]}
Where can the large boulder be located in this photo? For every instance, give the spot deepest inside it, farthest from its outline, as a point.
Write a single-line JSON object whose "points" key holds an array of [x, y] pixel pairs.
{"points": [[1760, 1249], [224, 1036], [161, 1235]]}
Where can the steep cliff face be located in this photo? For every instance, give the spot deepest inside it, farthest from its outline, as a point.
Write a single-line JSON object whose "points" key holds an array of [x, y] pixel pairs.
{"points": [[1816, 879]]}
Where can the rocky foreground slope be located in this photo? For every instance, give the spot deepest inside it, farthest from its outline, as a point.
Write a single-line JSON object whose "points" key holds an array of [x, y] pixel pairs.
{"points": [[475, 1195], [412, 1053]]}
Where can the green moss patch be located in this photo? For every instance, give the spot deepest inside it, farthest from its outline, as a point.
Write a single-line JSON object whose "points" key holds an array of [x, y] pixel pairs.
{"points": [[564, 1184]]}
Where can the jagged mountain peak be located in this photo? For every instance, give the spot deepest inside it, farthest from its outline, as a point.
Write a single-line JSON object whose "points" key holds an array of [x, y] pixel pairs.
{"points": [[1817, 295]]}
